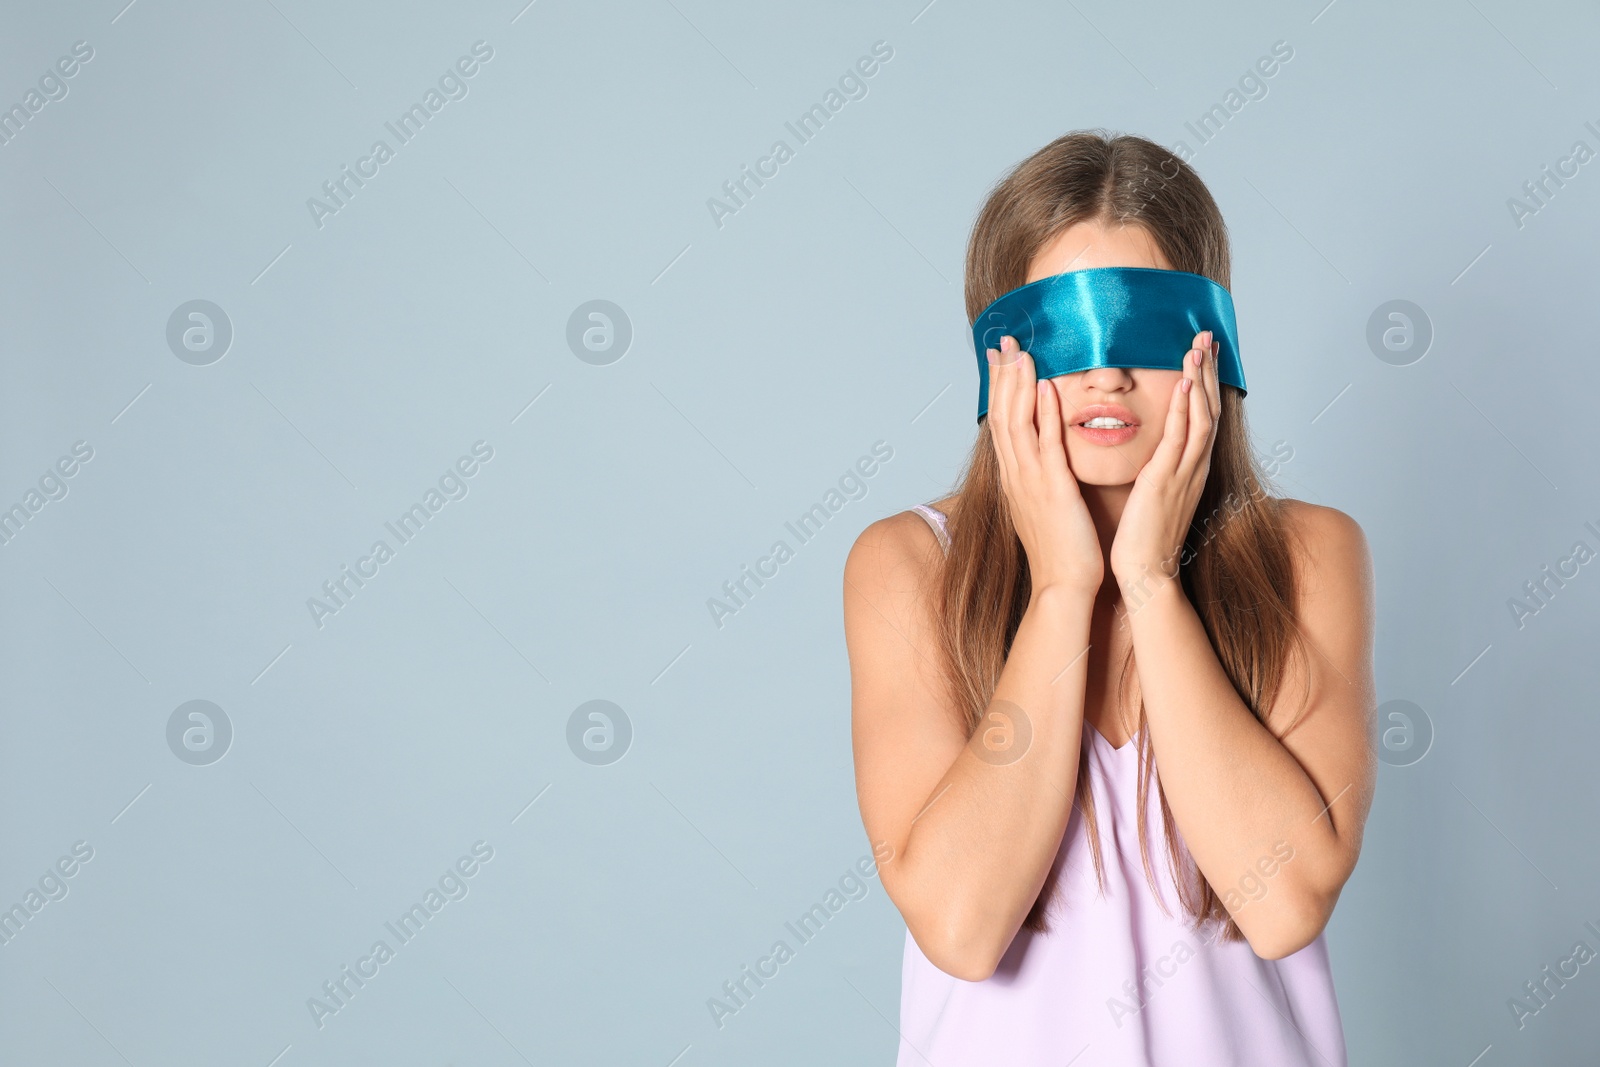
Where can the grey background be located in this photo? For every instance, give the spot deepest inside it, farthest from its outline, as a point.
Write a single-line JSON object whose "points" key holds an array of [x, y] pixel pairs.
{"points": [[768, 355]]}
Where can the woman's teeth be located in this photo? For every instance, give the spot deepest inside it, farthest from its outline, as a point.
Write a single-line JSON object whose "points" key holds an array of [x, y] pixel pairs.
{"points": [[1105, 422]]}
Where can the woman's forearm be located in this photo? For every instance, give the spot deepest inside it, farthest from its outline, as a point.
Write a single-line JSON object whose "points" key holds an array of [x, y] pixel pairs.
{"points": [[1240, 799], [979, 852]]}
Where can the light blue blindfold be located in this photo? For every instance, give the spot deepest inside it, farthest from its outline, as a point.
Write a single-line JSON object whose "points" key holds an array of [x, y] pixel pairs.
{"points": [[1110, 317]]}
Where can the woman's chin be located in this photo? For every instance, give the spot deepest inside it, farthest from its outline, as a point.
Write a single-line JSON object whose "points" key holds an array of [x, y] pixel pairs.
{"points": [[1105, 483], [1104, 470]]}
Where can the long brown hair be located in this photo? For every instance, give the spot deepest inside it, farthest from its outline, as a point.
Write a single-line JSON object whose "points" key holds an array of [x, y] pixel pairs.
{"points": [[1235, 567]]}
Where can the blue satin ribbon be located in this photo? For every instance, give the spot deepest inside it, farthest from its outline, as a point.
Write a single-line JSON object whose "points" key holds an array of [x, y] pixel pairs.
{"points": [[1110, 317]]}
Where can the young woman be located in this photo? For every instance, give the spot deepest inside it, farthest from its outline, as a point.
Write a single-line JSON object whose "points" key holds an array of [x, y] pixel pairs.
{"points": [[1086, 608]]}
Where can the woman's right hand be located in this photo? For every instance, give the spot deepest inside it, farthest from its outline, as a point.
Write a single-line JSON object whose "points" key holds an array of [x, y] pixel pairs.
{"points": [[1047, 509]]}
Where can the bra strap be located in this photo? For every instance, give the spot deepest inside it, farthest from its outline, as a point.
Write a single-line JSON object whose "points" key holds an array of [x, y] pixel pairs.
{"points": [[936, 519]]}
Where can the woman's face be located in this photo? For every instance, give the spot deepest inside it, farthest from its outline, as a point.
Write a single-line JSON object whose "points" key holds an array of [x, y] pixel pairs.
{"points": [[1137, 395]]}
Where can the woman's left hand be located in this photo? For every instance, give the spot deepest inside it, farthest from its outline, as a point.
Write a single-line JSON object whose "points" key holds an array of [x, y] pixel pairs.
{"points": [[1155, 520]]}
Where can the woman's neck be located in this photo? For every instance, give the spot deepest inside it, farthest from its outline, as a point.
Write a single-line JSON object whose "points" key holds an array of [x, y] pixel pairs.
{"points": [[1106, 504]]}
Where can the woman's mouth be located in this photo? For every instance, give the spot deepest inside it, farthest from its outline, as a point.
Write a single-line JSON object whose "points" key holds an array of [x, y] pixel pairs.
{"points": [[1101, 424]]}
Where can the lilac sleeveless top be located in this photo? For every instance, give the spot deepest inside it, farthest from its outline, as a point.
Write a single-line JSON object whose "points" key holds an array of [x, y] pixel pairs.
{"points": [[1116, 981]]}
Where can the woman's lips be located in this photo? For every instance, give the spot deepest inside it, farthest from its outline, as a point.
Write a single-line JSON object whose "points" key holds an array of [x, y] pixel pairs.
{"points": [[1106, 436], [1098, 436]]}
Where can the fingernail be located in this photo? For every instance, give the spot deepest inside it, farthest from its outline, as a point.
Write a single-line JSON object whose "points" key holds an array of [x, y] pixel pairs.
{"points": [[1003, 341], [994, 357]]}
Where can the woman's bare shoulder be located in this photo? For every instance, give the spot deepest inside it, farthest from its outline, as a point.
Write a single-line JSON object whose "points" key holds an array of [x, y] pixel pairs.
{"points": [[1326, 540], [899, 543], [1319, 523]]}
